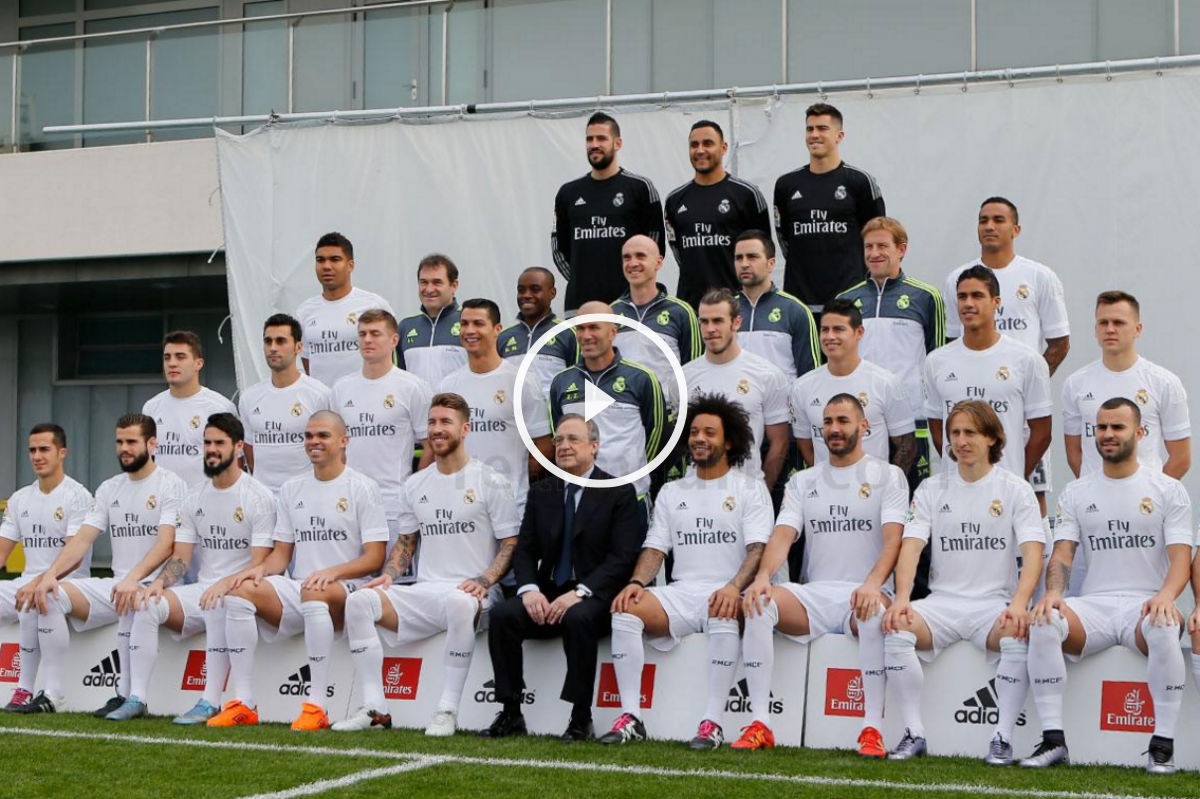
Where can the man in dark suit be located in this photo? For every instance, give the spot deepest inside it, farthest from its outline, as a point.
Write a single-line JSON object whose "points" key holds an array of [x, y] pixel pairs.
{"points": [[575, 551]]}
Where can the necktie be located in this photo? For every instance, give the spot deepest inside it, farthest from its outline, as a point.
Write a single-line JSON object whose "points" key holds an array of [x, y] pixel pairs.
{"points": [[562, 572]]}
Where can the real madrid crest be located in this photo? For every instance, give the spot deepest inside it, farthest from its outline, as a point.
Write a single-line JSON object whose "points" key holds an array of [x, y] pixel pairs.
{"points": [[499, 397], [342, 504], [1023, 292], [352, 318], [238, 514], [864, 491], [151, 502], [723, 206], [619, 199], [839, 193], [58, 514], [997, 508], [389, 401], [297, 409], [195, 423], [729, 504], [863, 399], [1142, 396], [743, 386], [1002, 373], [1146, 506], [469, 496]]}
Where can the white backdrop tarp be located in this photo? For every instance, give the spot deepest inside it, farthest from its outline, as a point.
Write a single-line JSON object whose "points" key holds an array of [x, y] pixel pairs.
{"points": [[1104, 173]]}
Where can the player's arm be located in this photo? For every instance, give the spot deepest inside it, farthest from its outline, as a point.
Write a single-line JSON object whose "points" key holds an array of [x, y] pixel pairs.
{"points": [[653, 217], [904, 450], [426, 454], [1160, 608], [7, 545], [275, 561], [248, 457], [1056, 351], [1038, 443], [807, 452], [373, 553], [1179, 458], [906, 573], [215, 593], [127, 593], [935, 325], [398, 561], [780, 199], [648, 564], [560, 237], [654, 416], [726, 600], [73, 552], [869, 596], [174, 570], [935, 434], [773, 557], [479, 585], [777, 446], [1193, 624], [1074, 447]]}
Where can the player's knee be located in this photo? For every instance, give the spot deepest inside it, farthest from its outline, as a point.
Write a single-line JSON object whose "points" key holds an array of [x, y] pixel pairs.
{"points": [[156, 611], [461, 609], [1014, 648], [363, 609], [628, 623], [899, 644], [1160, 637], [769, 615], [718, 626], [238, 608], [1052, 632]]}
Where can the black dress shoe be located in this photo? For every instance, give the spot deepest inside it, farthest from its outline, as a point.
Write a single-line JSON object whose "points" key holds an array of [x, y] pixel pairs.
{"points": [[578, 731], [504, 725]]}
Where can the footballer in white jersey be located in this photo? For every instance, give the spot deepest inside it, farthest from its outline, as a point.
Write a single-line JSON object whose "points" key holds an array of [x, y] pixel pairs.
{"points": [[1133, 525], [748, 380], [1032, 309], [462, 514], [330, 319], [384, 408], [276, 410], [40, 518], [180, 412], [715, 522], [225, 525], [987, 366], [977, 520], [851, 510], [330, 529], [1166, 442], [139, 509], [489, 385], [890, 425]]}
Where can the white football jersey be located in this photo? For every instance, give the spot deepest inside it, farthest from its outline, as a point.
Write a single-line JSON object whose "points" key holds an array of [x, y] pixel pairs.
{"points": [[752, 382], [132, 510], [225, 523], [974, 531], [329, 520], [331, 332], [1158, 393], [459, 518], [1009, 376], [41, 523], [1032, 308], [385, 418], [275, 419], [494, 439], [1123, 528], [841, 511], [181, 430], [709, 523], [880, 393]]}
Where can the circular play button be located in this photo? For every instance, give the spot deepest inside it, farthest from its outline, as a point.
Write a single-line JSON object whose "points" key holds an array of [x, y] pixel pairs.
{"points": [[596, 401]]}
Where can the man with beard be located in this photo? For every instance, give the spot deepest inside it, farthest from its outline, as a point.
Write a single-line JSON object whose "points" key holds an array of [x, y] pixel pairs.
{"points": [[1134, 527], [535, 292], [225, 525], [742, 378], [462, 514], [850, 509], [139, 509], [276, 410], [706, 214], [775, 325], [595, 214], [331, 520], [716, 521]]}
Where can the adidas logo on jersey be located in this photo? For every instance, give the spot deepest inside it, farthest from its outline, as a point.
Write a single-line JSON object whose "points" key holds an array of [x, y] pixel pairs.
{"points": [[739, 700], [682, 208], [423, 500], [950, 378], [300, 505], [1092, 508], [116, 503], [299, 683], [945, 508], [816, 403], [581, 201], [1089, 396], [681, 506], [255, 412], [105, 673], [812, 494], [349, 404], [982, 708], [199, 512], [797, 195], [24, 514]]}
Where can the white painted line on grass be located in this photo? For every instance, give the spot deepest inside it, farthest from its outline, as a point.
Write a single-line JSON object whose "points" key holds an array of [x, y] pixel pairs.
{"points": [[422, 760], [320, 786]]}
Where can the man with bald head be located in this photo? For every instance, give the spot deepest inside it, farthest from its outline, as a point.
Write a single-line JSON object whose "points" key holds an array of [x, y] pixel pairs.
{"points": [[647, 301], [330, 527], [633, 428], [535, 292]]}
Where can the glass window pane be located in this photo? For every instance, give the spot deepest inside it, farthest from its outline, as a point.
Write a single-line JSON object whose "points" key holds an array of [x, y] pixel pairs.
{"points": [[631, 46], [47, 92], [185, 75], [741, 22], [1024, 33], [31, 8], [467, 28], [264, 60], [543, 49], [1189, 27], [392, 58], [322, 64], [683, 45], [6, 98], [866, 38], [1136, 30]]}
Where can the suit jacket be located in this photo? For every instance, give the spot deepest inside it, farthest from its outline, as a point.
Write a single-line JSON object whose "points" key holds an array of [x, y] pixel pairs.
{"points": [[606, 542]]}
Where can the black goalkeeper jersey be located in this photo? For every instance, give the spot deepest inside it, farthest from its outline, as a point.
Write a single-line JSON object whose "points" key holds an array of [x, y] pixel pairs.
{"points": [[702, 224], [592, 221], [818, 223]]}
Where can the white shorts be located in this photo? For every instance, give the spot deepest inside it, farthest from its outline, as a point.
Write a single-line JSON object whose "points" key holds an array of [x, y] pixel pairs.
{"points": [[1040, 478], [291, 620], [956, 618], [8, 596], [193, 617], [421, 608], [686, 605], [1107, 621], [827, 603], [98, 592]]}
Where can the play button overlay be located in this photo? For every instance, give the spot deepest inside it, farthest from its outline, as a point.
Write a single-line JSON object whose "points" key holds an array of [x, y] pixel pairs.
{"points": [[596, 401]]}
